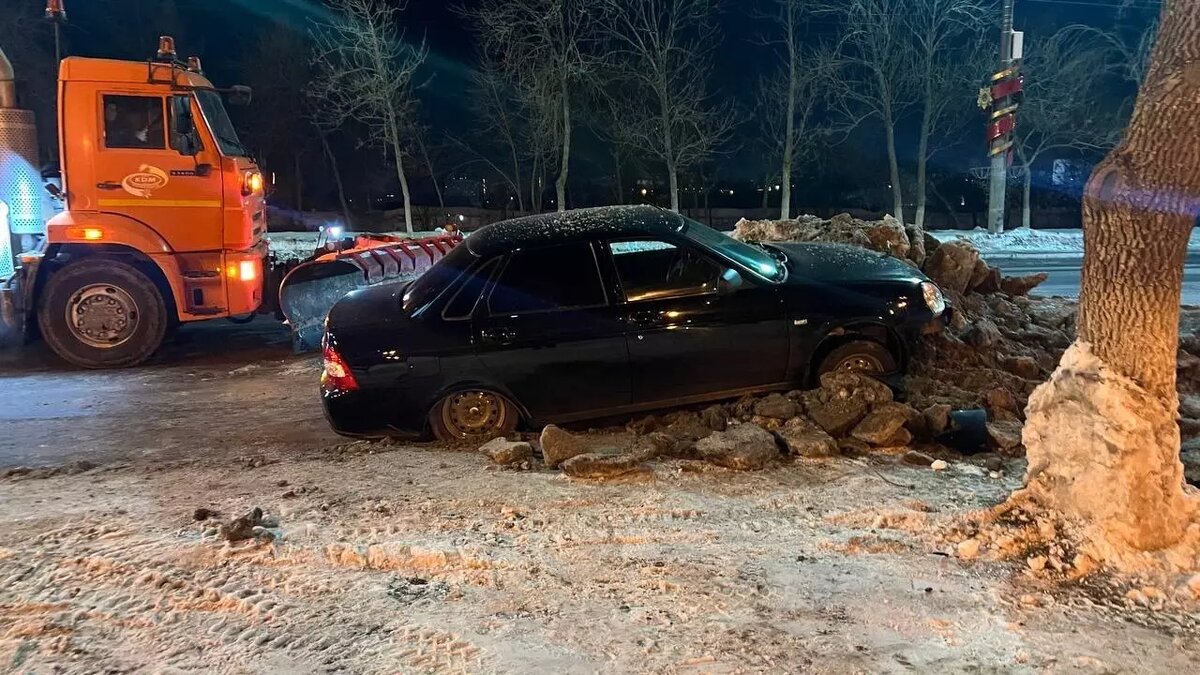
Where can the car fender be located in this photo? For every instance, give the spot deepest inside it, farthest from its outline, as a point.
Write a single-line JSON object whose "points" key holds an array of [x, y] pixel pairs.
{"points": [[858, 329]]}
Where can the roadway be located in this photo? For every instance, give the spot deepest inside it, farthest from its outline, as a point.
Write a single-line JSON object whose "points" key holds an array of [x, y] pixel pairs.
{"points": [[1065, 275]]}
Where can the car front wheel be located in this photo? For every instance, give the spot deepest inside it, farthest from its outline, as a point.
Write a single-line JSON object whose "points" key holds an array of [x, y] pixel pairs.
{"points": [[860, 356], [473, 415]]}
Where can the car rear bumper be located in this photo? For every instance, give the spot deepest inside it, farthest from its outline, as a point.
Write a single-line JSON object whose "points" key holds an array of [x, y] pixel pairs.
{"points": [[367, 414]]}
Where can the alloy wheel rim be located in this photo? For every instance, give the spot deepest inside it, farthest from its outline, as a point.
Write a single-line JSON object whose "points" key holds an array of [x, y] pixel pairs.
{"points": [[102, 316]]}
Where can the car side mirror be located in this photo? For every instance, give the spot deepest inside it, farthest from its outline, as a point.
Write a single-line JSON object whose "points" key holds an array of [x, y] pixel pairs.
{"points": [[730, 282]]}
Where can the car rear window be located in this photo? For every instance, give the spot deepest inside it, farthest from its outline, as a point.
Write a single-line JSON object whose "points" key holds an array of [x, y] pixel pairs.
{"points": [[548, 279], [462, 305], [427, 287]]}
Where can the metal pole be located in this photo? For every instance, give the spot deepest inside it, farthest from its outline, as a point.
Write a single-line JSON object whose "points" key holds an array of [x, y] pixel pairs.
{"points": [[999, 172]]}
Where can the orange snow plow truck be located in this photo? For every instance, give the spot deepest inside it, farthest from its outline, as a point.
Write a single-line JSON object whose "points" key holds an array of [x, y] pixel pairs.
{"points": [[164, 222]]}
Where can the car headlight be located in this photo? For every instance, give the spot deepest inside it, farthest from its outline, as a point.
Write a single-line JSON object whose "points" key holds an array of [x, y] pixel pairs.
{"points": [[934, 300]]}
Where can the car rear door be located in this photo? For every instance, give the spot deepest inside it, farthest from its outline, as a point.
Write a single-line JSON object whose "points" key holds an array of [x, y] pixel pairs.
{"points": [[551, 335], [687, 340]]}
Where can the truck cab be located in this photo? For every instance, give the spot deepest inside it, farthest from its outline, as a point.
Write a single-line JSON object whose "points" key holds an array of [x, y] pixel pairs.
{"points": [[164, 220]]}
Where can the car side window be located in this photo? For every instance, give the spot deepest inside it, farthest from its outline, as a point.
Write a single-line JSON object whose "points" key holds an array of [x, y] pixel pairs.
{"points": [[134, 122], [652, 270], [462, 305], [548, 279]]}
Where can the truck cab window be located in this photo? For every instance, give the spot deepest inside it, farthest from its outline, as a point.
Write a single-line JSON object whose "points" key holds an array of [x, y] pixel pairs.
{"points": [[134, 122]]}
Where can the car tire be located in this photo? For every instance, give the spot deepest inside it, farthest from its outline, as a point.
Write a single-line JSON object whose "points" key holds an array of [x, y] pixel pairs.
{"points": [[473, 415], [860, 356], [123, 316]]}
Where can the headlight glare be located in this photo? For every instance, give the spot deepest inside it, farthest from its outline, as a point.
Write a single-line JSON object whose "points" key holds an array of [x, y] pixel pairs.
{"points": [[934, 299]]}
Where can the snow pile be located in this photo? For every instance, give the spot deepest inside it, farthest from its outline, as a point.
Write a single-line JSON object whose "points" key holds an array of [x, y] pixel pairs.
{"points": [[1027, 241]]}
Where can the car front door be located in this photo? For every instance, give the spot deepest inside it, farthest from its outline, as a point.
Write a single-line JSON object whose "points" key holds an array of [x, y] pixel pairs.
{"points": [[551, 335], [687, 337]]}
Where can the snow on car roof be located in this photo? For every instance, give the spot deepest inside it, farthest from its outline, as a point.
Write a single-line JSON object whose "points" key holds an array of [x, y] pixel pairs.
{"points": [[569, 226]]}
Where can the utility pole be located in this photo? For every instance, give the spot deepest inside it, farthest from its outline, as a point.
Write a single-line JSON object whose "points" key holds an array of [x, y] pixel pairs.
{"points": [[999, 147]]}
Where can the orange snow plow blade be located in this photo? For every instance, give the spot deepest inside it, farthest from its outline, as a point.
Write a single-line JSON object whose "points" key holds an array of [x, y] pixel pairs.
{"points": [[310, 289]]}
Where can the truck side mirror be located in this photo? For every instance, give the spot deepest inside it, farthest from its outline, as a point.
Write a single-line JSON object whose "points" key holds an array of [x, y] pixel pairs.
{"points": [[240, 94]]}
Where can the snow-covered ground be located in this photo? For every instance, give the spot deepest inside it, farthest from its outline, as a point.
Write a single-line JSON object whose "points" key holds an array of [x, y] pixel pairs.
{"points": [[1025, 241]]}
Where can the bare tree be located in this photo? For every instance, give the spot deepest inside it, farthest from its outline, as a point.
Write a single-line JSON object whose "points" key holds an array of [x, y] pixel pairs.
{"points": [[365, 69], [1065, 107], [501, 124], [542, 46], [947, 43], [790, 98], [1102, 436], [660, 48], [877, 78], [419, 133]]}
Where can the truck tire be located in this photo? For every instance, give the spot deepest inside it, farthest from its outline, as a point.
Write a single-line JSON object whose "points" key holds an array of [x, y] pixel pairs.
{"points": [[102, 313]]}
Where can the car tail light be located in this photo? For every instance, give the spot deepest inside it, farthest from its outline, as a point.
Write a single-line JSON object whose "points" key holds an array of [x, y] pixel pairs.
{"points": [[336, 377]]}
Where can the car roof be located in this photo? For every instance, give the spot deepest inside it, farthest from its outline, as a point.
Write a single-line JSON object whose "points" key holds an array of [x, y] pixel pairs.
{"points": [[572, 226]]}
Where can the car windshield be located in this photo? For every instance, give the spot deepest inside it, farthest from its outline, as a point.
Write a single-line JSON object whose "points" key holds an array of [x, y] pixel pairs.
{"points": [[219, 124], [756, 259]]}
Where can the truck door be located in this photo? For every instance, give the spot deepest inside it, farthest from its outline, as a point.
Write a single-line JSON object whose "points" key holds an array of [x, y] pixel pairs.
{"points": [[153, 166]]}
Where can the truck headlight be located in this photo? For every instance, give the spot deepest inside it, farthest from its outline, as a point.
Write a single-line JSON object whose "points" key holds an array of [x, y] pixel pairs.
{"points": [[934, 299]]}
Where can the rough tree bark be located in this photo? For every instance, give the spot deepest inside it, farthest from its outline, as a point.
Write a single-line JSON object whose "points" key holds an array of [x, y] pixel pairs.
{"points": [[560, 185], [1102, 438], [894, 170]]}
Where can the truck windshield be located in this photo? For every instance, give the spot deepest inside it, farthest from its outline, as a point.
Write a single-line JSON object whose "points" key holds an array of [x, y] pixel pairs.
{"points": [[219, 124]]}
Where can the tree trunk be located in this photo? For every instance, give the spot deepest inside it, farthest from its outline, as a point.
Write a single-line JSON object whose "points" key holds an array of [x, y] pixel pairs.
{"points": [[437, 188], [617, 175], [560, 185], [298, 177], [535, 184], [517, 178], [337, 179], [398, 153], [1102, 438], [1026, 191], [668, 146], [789, 141], [923, 155], [894, 170]]}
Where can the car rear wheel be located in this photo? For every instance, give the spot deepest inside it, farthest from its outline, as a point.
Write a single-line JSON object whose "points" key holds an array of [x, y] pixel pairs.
{"points": [[473, 415], [861, 356]]}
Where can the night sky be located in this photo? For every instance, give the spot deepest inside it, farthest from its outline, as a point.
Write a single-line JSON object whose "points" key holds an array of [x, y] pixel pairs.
{"points": [[220, 30]]}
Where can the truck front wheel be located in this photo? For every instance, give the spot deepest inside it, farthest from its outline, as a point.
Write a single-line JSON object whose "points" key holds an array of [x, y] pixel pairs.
{"points": [[101, 313]]}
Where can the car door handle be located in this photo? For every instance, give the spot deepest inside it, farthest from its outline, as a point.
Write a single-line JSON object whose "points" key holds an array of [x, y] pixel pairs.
{"points": [[498, 335], [108, 185], [645, 319]]}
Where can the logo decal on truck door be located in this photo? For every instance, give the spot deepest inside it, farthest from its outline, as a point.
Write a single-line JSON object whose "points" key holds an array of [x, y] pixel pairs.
{"points": [[144, 181]]}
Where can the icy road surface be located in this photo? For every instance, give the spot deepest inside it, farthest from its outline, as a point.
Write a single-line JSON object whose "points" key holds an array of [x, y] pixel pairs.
{"points": [[1065, 275]]}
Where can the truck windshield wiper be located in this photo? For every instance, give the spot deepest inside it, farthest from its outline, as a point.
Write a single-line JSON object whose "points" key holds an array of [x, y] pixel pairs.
{"points": [[234, 142]]}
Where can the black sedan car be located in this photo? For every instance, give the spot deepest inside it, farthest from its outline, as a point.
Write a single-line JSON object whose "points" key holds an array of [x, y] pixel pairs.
{"points": [[599, 312]]}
